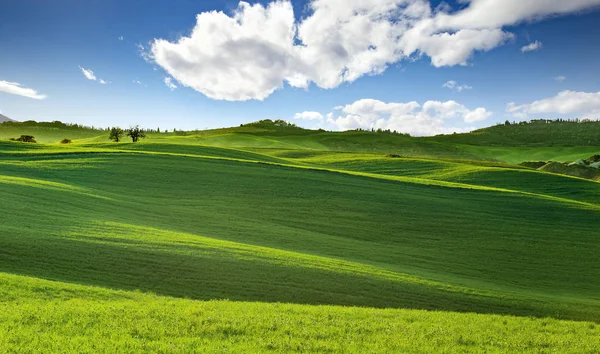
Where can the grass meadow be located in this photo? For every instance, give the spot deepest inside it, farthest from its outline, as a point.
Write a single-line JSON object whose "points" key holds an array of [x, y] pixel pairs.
{"points": [[237, 240]]}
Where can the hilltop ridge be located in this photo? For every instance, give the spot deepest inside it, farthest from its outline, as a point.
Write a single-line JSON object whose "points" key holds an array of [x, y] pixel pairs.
{"points": [[538, 140], [538, 132]]}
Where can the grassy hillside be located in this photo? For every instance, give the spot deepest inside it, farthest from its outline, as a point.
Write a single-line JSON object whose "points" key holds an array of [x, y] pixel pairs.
{"points": [[43, 316], [515, 143], [535, 133], [484, 244], [47, 132]]}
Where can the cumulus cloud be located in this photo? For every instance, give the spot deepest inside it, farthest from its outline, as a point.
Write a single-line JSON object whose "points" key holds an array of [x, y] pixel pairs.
{"points": [[259, 48], [407, 117], [89, 74], [247, 56], [453, 85], [18, 89], [566, 102], [477, 115], [169, 83], [560, 78], [532, 47], [308, 115]]}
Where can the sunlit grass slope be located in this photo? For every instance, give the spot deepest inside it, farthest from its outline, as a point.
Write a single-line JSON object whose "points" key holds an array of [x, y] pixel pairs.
{"points": [[43, 316]]}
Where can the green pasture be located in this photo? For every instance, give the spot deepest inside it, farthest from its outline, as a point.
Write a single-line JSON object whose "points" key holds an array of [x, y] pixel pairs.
{"points": [[248, 240]]}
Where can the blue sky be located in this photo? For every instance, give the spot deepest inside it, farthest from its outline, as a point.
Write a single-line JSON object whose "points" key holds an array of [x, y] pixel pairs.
{"points": [[252, 70]]}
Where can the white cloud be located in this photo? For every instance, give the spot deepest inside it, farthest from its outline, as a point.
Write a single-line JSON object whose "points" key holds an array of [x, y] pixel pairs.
{"points": [[477, 115], [453, 85], [169, 83], [408, 117], [309, 115], [560, 78], [137, 82], [247, 56], [17, 89], [531, 47], [450, 49], [145, 53], [89, 74], [121, 38], [566, 102], [259, 48]]}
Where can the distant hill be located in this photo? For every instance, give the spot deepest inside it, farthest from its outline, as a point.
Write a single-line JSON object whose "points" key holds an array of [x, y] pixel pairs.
{"points": [[539, 140], [4, 118], [48, 132], [539, 132]]}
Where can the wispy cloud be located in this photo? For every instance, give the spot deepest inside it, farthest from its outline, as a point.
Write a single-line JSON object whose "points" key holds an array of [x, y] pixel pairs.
{"points": [[17, 89], [121, 38], [453, 85], [137, 82], [144, 53], [170, 84], [560, 78], [532, 47], [89, 74]]}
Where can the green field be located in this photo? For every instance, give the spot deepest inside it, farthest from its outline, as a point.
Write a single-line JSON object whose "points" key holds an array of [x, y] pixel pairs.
{"points": [[257, 239]]}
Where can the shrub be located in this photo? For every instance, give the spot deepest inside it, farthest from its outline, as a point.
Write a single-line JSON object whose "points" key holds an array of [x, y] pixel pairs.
{"points": [[26, 139], [65, 141]]}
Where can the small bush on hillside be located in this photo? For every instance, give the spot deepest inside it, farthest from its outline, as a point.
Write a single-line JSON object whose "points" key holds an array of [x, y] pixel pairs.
{"points": [[25, 139], [393, 156], [65, 141]]}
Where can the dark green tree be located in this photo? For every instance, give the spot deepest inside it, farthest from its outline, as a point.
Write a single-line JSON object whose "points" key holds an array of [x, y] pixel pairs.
{"points": [[26, 139], [116, 134], [136, 133]]}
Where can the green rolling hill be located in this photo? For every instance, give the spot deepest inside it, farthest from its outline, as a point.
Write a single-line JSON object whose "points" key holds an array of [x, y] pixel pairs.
{"points": [[274, 238]]}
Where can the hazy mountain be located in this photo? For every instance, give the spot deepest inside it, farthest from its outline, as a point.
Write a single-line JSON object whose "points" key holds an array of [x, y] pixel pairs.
{"points": [[4, 118]]}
